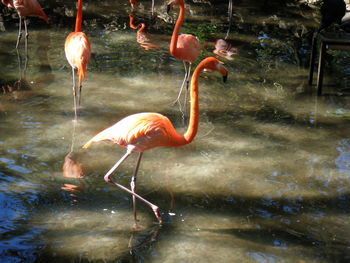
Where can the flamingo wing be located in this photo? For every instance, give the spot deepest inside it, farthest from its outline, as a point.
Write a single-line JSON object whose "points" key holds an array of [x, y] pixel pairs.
{"points": [[142, 131], [29, 8]]}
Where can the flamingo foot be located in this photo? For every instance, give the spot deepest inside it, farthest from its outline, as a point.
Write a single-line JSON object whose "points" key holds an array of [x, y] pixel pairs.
{"points": [[175, 102], [156, 213]]}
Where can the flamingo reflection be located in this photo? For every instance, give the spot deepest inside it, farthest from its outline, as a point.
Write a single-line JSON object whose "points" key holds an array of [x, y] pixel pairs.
{"points": [[72, 168], [223, 47], [141, 36], [14, 87]]}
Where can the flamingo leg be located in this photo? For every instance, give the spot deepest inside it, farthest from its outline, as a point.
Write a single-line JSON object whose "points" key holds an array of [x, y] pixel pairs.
{"points": [[152, 7], [182, 85], [108, 179], [19, 31], [26, 36], [133, 184], [74, 95], [79, 94], [188, 74], [230, 5], [19, 64]]}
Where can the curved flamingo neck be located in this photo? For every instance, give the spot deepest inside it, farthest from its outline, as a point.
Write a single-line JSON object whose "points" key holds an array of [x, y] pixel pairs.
{"points": [[194, 108], [175, 35], [142, 27], [79, 18], [131, 22]]}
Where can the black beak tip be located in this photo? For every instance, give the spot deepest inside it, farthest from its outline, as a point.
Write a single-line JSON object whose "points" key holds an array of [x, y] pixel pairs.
{"points": [[224, 78], [168, 7]]}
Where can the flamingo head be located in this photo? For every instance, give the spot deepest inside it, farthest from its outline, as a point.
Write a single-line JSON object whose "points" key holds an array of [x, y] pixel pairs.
{"points": [[174, 2], [7, 3], [132, 3], [212, 63]]}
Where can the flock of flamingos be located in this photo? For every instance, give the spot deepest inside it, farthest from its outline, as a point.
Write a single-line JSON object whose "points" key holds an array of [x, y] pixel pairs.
{"points": [[141, 131]]}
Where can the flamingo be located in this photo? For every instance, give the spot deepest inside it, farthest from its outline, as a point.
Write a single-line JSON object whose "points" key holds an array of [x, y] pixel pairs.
{"points": [[133, 3], [183, 47], [141, 38], [142, 131], [25, 8], [78, 52]]}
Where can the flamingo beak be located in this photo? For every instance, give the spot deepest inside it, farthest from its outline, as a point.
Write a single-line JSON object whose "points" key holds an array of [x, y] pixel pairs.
{"points": [[169, 6], [223, 71]]}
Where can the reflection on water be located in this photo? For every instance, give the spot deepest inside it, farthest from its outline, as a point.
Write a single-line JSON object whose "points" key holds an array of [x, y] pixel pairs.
{"points": [[141, 37], [265, 180], [342, 162], [224, 49]]}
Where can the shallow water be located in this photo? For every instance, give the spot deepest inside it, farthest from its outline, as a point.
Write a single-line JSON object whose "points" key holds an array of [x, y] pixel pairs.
{"points": [[265, 180]]}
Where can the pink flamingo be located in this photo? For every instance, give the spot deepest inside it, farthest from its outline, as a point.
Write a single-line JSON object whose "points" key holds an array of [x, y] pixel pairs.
{"points": [[133, 3], [78, 52], [25, 8], [142, 131], [183, 47]]}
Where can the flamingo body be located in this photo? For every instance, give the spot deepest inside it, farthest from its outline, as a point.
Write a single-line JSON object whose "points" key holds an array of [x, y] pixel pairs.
{"points": [[26, 8], [142, 131], [187, 48], [78, 52]]}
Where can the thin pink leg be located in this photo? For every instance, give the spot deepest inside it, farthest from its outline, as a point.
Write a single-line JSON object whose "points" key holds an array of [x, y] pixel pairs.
{"points": [[108, 179], [133, 184], [19, 32]]}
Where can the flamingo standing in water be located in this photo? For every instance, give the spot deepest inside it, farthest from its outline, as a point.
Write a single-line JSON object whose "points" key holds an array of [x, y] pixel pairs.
{"points": [[183, 47], [78, 52], [142, 131], [133, 3], [25, 8]]}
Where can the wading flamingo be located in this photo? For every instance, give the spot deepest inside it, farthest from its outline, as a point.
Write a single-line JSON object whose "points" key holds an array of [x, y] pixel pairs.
{"points": [[142, 131], [25, 8], [141, 36], [78, 52], [133, 3], [183, 47]]}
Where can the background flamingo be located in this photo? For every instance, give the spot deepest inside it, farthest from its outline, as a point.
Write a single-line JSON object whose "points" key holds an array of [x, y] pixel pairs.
{"points": [[133, 3], [25, 8], [143, 131], [78, 52], [183, 47]]}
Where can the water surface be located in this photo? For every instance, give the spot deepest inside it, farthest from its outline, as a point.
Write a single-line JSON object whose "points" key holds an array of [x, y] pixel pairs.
{"points": [[265, 180]]}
